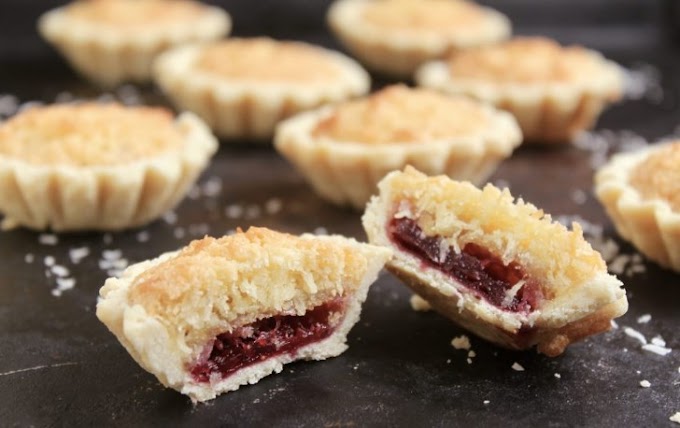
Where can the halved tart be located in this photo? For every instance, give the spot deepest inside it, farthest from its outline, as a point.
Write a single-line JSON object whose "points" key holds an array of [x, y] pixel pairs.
{"points": [[498, 267]]}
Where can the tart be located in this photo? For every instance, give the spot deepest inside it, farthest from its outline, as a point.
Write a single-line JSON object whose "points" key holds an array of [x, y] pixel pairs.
{"points": [[555, 92], [97, 166], [498, 267], [394, 37], [641, 194], [345, 149], [227, 312], [113, 41], [243, 87]]}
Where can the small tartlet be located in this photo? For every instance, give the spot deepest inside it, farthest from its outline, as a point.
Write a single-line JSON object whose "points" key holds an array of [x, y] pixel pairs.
{"points": [[243, 87], [223, 313], [555, 92], [497, 266], [97, 166], [344, 150], [114, 41], [396, 36], [641, 193]]}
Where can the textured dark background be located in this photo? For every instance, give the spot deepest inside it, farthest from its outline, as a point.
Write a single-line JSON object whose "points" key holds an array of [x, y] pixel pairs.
{"points": [[60, 367]]}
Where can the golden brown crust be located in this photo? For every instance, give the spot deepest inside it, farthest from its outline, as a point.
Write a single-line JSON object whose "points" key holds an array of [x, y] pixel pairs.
{"points": [[397, 114], [578, 294], [253, 59], [89, 134], [135, 14]]}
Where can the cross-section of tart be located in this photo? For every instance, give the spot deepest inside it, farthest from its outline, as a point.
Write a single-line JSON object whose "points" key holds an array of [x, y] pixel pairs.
{"points": [[498, 267], [227, 312], [345, 149], [641, 193], [97, 166], [555, 92], [396, 36], [243, 87], [113, 41]]}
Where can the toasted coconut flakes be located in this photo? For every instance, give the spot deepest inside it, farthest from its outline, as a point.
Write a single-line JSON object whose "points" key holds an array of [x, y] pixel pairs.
{"points": [[635, 335], [419, 304], [517, 367], [645, 384], [461, 342]]}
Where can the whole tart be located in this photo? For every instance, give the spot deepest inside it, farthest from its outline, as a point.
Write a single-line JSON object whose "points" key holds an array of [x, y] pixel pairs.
{"points": [[555, 92], [97, 166], [396, 36], [113, 41], [641, 194], [345, 149], [498, 267], [227, 312], [243, 87]]}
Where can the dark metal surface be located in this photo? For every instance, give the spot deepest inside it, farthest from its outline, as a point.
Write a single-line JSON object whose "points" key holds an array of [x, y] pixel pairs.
{"points": [[59, 366]]}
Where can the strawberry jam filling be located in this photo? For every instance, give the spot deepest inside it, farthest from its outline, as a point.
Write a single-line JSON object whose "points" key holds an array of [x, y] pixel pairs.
{"points": [[474, 267], [266, 338]]}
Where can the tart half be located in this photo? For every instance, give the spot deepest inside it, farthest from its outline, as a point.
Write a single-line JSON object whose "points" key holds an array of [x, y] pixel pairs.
{"points": [[498, 267], [222, 313], [97, 166], [554, 92], [345, 149], [396, 36], [641, 193], [113, 41], [243, 87]]}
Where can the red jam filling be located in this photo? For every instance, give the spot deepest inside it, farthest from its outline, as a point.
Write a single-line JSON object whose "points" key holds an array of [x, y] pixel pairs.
{"points": [[474, 267], [267, 338]]}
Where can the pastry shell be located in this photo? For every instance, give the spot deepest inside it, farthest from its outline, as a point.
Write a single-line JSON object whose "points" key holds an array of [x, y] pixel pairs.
{"points": [[249, 109], [400, 55], [547, 112], [582, 297], [347, 172], [110, 56], [651, 225], [271, 280], [107, 197]]}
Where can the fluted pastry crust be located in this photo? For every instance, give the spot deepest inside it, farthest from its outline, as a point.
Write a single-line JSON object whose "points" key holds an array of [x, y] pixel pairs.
{"points": [[111, 42], [408, 33], [64, 188], [646, 217], [580, 297], [164, 311], [344, 150], [246, 107], [554, 92]]}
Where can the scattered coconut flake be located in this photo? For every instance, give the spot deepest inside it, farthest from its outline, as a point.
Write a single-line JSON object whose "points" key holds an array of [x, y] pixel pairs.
{"points": [[9, 104], [486, 401], [419, 304], [28, 258], [212, 187], [645, 384], [469, 360], [579, 196], [179, 232], [472, 354], [194, 192], [656, 349], [618, 265], [635, 335], [48, 239], [200, 229], [658, 341], [49, 261], [320, 231], [234, 211], [60, 271], [644, 319], [448, 361], [143, 236], [558, 376], [643, 81], [252, 212], [602, 143], [614, 324], [170, 217], [517, 367], [112, 254], [273, 206], [675, 418], [78, 254], [461, 342]]}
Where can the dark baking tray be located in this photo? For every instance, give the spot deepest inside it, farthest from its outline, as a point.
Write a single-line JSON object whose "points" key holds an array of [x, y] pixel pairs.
{"points": [[60, 367]]}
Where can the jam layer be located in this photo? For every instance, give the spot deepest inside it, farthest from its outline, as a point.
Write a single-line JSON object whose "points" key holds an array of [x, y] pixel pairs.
{"points": [[267, 338], [474, 267]]}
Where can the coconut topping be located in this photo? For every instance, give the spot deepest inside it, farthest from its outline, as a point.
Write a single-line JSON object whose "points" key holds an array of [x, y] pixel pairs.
{"points": [[658, 176]]}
